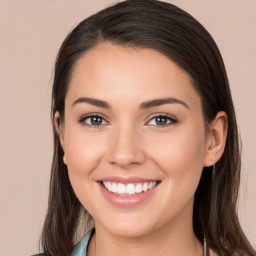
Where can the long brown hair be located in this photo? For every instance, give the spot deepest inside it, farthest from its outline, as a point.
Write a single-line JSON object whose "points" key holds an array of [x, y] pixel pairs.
{"points": [[176, 34]]}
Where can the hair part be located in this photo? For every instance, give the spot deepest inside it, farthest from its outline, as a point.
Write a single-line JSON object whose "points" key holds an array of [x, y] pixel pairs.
{"points": [[176, 34]]}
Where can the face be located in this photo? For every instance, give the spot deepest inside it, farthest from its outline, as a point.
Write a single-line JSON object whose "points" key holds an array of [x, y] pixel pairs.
{"points": [[134, 139]]}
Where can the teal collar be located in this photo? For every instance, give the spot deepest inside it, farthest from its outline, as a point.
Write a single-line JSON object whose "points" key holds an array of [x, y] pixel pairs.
{"points": [[81, 247]]}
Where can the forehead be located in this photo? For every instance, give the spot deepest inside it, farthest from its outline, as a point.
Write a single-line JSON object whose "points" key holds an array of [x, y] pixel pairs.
{"points": [[115, 72]]}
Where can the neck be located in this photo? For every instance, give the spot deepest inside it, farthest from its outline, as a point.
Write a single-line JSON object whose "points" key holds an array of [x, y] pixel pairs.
{"points": [[167, 241]]}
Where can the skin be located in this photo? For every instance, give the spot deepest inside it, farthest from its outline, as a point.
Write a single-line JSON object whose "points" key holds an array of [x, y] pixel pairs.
{"points": [[129, 142]]}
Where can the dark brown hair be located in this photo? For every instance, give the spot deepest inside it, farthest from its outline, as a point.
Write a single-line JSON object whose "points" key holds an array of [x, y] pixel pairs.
{"points": [[176, 34]]}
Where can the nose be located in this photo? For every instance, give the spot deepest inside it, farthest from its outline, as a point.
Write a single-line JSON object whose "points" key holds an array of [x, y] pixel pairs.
{"points": [[126, 148]]}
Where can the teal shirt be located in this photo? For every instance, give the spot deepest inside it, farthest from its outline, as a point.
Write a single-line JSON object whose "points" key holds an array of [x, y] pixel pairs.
{"points": [[81, 247]]}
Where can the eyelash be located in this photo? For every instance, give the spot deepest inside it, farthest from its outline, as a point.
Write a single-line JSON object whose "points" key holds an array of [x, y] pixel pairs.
{"points": [[171, 120], [82, 120]]}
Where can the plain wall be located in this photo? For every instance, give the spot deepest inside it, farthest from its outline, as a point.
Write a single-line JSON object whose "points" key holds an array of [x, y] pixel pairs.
{"points": [[30, 34]]}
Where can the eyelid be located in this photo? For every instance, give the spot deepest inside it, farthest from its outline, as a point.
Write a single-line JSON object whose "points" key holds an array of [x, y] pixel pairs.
{"points": [[82, 119], [172, 119]]}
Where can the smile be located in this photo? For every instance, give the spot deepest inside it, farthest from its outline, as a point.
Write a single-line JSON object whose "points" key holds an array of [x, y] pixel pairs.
{"points": [[128, 189]]}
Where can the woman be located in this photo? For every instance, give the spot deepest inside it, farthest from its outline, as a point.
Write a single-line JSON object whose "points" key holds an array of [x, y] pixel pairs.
{"points": [[146, 144]]}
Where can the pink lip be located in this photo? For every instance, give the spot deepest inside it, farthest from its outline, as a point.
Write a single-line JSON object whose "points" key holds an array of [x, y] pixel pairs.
{"points": [[125, 180], [126, 201]]}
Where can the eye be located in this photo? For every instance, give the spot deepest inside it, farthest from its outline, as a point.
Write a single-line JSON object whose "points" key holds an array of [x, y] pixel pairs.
{"points": [[162, 120], [93, 120]]}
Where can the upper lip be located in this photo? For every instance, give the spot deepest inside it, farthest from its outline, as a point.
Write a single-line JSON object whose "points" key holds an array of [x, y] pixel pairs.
{"points": [[126, 180]]}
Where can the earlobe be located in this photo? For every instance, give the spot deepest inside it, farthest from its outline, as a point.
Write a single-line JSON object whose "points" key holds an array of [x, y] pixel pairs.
{"points": [[58, 128], [216, 138]]}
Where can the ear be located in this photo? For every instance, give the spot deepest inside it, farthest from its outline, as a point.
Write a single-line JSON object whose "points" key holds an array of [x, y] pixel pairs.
{"points": [[59, 128], [216, 139]]}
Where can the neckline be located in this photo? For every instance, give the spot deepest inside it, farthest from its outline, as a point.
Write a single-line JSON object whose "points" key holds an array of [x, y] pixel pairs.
{"points": [[81, 247]]}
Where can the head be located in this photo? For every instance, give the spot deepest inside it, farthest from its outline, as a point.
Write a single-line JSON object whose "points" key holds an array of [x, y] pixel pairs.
{"points": [[160, 34]]}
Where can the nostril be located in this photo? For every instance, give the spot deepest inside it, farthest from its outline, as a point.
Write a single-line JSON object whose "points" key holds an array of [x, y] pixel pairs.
{"points": [[126, 153]]}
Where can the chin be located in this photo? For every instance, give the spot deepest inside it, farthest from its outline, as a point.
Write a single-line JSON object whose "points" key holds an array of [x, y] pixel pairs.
{"points": [[129, 227]]}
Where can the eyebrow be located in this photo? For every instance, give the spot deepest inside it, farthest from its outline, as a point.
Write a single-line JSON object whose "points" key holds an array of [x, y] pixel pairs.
{"points": [[92, 101], [159, 102], [144, 105]]}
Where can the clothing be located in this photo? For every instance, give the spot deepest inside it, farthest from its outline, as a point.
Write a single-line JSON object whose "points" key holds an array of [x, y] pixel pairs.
{"points": [[81, 247]]}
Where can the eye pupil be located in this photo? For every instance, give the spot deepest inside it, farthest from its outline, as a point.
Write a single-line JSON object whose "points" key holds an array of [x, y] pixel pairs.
{"points": [[95, 120], [160, 120]]}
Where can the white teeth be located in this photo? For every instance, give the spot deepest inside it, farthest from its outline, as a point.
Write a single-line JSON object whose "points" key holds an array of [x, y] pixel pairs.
{"points": [[121, 188], [114, 188], [105, 184], [138, 188], [128, 189], [151, 184], [145, 187]]}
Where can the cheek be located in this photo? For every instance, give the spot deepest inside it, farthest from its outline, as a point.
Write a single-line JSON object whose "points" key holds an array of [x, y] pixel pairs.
{"points": [[180, 154], [84, 154], [83, 151], [180, 158]]}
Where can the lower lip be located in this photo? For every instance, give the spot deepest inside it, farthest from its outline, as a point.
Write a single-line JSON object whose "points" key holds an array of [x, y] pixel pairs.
{"points": [[126, 201]]}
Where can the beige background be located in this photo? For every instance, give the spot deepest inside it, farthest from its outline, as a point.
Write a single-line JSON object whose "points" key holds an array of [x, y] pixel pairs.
{"points": [[30, 35]]}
